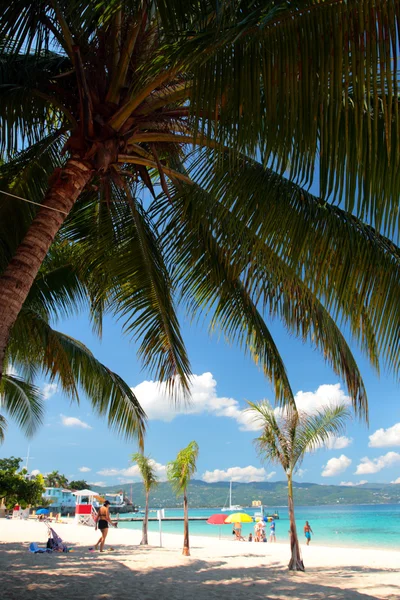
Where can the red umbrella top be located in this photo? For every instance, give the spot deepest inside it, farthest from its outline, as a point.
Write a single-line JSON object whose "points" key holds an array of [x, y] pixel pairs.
{"points": [[217, 519]]}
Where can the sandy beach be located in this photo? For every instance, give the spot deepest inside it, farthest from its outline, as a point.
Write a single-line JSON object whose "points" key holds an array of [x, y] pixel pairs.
{"points": [[222, 569]]}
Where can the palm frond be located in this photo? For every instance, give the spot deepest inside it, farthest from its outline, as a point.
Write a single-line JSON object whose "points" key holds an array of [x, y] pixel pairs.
{"points": [[22, 401], [302, 91], [72, 365], [146, 468], [125, 259], [316, 429], [271, 443], [353, 270], [180, 470]]}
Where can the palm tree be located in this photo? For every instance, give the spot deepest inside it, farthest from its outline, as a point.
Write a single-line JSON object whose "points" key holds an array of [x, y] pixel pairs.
{"points": [[35, 346], [285, 439], [150, 479], [109, 98], [52, 479], [179, 472]]}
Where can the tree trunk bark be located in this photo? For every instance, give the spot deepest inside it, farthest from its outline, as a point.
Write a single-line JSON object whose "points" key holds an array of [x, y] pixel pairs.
{"points": [[296, 563], [20, 273], [186, 549], [144, 541]]}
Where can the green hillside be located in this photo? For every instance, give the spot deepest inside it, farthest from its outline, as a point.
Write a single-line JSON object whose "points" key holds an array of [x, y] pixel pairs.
{"points": [[271, 494]]}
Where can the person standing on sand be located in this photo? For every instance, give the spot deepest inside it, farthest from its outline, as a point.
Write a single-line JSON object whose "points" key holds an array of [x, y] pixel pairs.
{"points": [[307, 532], [272, 536], [103, 520]]}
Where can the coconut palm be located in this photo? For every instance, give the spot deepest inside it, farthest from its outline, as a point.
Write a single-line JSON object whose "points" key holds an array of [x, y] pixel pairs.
{"points": [[36, 347], [150, 479], [179, 472], [285, 438], [112, 97], [53, 479]]}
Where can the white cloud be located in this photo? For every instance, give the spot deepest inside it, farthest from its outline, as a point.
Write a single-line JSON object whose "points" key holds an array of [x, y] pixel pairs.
{"points": [[133, 472], [74, 422], [243, 474], [35, 472], [300, 473], [99, 483], [153, 397], [325, 395], [351, 484], [338, 443], [49, 389], [396, 480], [375, 465], [334, 466], [84, 469], [385, 437], [335, 443]]}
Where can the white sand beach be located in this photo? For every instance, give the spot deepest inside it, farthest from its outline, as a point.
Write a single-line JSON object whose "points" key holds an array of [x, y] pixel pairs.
{"points": [[222, 569]]}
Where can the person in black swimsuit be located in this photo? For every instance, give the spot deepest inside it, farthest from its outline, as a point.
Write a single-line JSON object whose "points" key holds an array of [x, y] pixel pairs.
{"points": [[102, 523]]}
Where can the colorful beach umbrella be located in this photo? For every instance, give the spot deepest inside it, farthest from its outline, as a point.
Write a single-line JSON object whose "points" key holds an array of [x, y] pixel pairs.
{"points": [[239, 518], [217, 519]]}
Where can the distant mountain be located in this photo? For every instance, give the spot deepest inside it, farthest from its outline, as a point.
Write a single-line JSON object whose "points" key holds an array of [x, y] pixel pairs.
{"points": [[270, 493]]}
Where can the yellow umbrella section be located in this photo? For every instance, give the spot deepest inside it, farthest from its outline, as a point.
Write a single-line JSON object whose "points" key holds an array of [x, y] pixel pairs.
{"points": [[239, 518]]}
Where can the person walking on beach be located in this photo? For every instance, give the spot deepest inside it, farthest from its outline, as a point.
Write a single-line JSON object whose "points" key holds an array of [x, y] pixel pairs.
{"points": [[307, 532], [272, 536], [103, 520]]}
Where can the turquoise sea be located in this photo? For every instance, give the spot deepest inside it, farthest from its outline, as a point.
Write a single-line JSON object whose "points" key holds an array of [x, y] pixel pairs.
{"points": [[339, 525]]}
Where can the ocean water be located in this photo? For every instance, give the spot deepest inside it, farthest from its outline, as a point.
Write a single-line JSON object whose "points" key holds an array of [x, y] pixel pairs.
{"points": [[366, 526]]}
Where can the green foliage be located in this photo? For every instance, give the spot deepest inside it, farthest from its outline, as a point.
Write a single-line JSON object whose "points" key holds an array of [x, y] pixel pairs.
{"points": [[56, 479], [259, 89], [79, 484], [35, 346], [16, 488], [180, 470], [147, 470], [288, 435]]}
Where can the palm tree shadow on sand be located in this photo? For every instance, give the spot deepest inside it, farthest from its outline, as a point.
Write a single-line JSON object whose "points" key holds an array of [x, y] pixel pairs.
{"points": [[81, 574]]}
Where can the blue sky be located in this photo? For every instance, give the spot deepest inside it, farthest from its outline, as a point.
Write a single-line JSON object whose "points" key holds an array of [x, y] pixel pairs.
{"points": [[76, 442]]}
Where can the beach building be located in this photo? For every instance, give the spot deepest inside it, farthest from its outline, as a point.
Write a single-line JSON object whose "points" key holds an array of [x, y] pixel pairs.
{"points": [[62, 500]]}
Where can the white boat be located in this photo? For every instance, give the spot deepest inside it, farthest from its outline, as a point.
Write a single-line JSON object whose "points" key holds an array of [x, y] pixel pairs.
{"points": [[231, 506]]}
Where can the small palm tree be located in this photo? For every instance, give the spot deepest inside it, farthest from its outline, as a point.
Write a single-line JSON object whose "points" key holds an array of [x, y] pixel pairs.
{"points": [[285, 439], [179, 472], [150, 479]]}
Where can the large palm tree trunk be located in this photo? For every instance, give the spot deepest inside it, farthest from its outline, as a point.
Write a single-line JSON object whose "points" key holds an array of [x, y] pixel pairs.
{"points": [[144, 541], [295, 564], [186, 549], [19, 275]]}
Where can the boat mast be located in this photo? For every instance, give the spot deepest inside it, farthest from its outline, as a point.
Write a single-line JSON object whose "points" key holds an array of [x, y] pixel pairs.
{"points": [[230, 494]]}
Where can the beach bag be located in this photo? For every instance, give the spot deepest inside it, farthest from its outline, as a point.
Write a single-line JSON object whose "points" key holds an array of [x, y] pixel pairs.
{"points": [[50, 544]]}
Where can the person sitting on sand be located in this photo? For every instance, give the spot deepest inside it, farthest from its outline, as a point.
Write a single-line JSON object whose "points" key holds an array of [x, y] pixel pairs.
{"points": [[103, 520], [250, 537], [307, 532]]}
